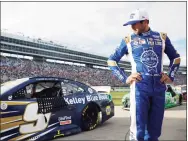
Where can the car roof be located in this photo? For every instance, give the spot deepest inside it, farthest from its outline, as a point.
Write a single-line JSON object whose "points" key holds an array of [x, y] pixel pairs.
{"points": [[37, 79], [54, 79]]}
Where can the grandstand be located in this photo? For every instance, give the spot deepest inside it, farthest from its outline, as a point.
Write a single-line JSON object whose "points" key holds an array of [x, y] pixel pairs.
{"points": [[36, 57]]}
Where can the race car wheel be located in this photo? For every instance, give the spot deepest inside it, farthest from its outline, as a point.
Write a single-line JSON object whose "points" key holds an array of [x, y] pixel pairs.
{"points": [[180, 99], [125, 105], [90, 117]]}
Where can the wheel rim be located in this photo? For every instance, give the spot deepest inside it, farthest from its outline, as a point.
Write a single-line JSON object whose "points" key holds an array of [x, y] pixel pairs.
{"points": [[90, 118]]}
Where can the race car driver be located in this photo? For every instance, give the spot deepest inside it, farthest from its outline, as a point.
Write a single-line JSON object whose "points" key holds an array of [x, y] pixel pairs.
{"points": [[145, 49]]}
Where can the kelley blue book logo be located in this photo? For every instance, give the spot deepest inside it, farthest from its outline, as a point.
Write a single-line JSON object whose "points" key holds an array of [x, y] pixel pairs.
{"points": [[150, 59]]}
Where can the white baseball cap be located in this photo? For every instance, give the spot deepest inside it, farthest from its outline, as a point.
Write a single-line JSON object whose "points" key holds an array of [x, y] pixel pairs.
{"points": [[137, 16]]}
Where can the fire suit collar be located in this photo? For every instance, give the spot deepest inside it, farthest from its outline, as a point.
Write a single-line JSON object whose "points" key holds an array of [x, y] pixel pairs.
{"points": [[148, 33]]}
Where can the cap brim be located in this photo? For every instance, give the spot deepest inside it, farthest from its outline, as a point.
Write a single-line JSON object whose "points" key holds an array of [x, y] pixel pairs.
{"points": [[131, 22]]}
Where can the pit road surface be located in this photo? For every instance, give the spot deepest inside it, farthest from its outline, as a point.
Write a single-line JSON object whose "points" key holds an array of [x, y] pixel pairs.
{"points": [[174, 126]]}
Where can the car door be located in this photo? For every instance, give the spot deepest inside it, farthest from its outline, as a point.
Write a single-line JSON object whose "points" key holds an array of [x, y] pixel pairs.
{"points": [[51, 100], [73, 92]]}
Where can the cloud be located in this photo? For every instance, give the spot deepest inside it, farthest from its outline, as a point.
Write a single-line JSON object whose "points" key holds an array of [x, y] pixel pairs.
{"points": [[94, 27]]}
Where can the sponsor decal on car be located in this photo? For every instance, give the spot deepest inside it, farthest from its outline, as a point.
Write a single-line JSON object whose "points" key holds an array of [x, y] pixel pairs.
{"points": [[90, 90], [96, 97], [35, 138], [58, 134], [10, 97], [65, 120], [88, 98], [75, 100], [103, 97], [108, 110], [92, 98], [4, 106]]}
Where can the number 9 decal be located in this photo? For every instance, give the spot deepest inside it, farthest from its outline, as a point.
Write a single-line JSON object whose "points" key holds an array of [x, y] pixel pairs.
{"points": [[37, 121]]}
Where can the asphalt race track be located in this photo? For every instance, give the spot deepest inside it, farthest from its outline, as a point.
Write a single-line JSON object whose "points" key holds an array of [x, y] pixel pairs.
{"points": [[174, 126]]}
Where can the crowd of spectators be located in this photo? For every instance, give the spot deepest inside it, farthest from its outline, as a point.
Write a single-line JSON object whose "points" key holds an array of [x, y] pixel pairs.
{"points": [[180, 79], [14, 68]]}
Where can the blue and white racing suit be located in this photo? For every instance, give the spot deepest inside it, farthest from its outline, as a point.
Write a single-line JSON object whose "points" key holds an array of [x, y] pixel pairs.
{"points": [[147, 97]]}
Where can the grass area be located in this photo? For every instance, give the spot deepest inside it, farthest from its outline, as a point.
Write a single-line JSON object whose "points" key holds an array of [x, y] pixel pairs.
{"points": [[117, 97], [117, 102]]}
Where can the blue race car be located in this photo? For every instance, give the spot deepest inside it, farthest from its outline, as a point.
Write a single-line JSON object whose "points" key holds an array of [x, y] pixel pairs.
{"points": [[44, 108]]}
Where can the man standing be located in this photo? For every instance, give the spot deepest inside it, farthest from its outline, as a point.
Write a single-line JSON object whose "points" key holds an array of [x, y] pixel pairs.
{"points": [[145, 48]]}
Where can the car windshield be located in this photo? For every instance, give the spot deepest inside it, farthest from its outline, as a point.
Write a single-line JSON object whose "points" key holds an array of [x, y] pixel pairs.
{"points": [[11, 84]]}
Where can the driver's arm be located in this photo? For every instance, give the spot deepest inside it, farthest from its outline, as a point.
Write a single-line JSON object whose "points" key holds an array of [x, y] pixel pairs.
{"points": [[173, 56], [116, 57]]}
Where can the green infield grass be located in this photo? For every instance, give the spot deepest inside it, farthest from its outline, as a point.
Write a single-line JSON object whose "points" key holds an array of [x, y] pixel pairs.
{"points": [[117, 97]]}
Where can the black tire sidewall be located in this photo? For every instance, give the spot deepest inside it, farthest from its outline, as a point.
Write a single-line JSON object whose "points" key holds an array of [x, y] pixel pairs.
{"points": [[85, 126], [180, 99]]}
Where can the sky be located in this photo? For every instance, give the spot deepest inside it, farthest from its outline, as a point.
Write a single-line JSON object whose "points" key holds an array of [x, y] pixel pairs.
{"points": [[93, 27]]}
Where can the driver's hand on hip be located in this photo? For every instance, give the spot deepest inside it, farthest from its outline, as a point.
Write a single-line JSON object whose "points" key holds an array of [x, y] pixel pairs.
{"points": [[165, 79], [133, 77]]}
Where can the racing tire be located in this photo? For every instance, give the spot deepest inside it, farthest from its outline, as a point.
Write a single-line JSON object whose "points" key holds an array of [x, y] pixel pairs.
{"points": [[125, 105], [180, 99], [90, 117]]}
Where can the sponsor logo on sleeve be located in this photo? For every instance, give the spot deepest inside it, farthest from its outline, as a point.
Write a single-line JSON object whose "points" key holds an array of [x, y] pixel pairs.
{"points": [[172, 74]]}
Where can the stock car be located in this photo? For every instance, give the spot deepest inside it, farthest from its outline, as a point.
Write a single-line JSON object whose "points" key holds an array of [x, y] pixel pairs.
{"points": [[44, 108], [172, 98]]}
